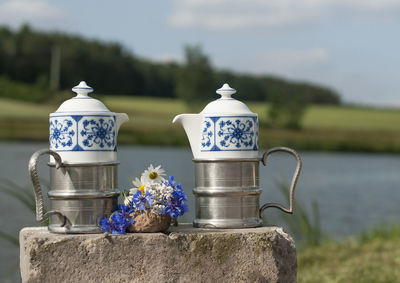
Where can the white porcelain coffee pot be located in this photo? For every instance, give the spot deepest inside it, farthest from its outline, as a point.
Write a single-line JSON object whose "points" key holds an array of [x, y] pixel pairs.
{"points": [[225, 129], [83, 130], [223, 138]]}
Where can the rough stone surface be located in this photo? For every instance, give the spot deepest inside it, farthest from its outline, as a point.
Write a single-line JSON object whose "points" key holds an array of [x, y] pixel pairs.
{"points": [[183, 254]]}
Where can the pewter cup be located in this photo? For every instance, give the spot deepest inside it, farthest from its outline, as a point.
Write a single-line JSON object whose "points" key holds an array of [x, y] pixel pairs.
{"points": [[79, 194], [227, 192]]}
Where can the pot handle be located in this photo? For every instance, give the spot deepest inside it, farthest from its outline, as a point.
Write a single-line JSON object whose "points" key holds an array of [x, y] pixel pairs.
{"points": [[294, 179], [33, 161]]}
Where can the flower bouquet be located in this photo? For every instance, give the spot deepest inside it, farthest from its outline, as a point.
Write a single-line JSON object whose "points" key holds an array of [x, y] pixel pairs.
{"points": [[149, 206]]}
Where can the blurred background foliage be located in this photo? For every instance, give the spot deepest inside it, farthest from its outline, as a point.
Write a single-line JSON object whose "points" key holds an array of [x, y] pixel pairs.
{"points": [[26, 56], [38, 69]]}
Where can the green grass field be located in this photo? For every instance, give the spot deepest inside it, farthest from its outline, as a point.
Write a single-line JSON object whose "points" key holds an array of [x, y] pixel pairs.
{"points": [[371, 257], [324, 127]]}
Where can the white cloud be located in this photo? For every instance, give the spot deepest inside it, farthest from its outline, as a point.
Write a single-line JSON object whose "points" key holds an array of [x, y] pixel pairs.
{"points": [[233, 14], [293, 60], [38, 13]]}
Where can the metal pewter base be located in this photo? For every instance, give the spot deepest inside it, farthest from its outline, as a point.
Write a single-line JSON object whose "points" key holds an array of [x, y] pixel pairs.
{"points": [[82, 214], [80, 194], [227, 192]]}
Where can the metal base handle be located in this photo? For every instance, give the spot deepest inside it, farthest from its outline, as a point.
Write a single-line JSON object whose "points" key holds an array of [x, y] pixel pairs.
{"points": [[33, 161], [294, 179]]}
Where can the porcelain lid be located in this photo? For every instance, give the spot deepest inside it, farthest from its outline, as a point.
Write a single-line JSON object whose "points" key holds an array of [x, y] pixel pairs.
{"points": [[226, 104], [82, 102]]}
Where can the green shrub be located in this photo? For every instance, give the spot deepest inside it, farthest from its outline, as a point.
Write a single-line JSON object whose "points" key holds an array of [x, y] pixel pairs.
{"points": [[286, 110], [22, 91]]}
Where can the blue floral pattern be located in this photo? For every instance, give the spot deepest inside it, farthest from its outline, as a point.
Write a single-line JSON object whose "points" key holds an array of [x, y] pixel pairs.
{"points": [[98, 132], [82, 133], [234, 133], [61, 133], [237, 133], [207, 134]]}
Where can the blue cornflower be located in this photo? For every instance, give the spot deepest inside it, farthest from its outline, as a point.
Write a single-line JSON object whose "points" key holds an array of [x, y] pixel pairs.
{"points": [[176, 206], [179, 187], [170, 182], [118, 222], [105, 224], [141, 200], [125, 210]]}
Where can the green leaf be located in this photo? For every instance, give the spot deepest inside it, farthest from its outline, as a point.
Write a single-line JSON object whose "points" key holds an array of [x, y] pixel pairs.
{"points": [[10, 238]]}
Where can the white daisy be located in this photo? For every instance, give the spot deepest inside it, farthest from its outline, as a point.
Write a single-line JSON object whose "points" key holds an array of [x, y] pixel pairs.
{"points": [[153, 174], [139, 185], [128, 200]]}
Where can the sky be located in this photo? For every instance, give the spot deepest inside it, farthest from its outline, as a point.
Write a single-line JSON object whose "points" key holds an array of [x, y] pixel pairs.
{"points": [[351, 46]]}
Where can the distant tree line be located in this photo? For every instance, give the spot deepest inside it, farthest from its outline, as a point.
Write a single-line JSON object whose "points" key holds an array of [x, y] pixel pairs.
{"points": [[25, 57]]}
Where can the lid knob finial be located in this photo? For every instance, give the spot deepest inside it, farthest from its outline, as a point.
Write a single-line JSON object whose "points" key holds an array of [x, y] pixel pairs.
{"points": [[82, 89], [226, 91]]}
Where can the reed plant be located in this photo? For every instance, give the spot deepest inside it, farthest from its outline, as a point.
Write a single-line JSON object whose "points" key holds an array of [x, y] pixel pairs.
{"points": [[304, 226], [23, 195]]}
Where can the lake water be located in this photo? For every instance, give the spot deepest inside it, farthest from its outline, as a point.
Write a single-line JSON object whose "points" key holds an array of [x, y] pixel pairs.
{"points": [[354, 192]]}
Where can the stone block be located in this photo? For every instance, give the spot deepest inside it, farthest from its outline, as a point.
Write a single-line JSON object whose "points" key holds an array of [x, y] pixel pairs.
{"points": [[183, 254]]}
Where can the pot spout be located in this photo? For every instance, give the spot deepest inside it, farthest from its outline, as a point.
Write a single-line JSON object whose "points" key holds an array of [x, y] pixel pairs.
{"points": [[192, 125], [121, 118]]}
